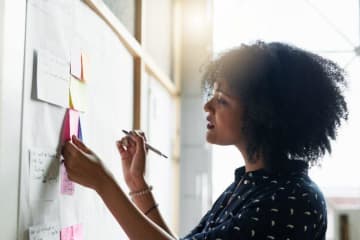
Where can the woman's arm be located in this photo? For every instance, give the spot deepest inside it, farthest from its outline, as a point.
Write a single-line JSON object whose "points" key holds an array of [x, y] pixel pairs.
{"points": [[133, 222], [133, 151], [85, 168], [147, 202]]}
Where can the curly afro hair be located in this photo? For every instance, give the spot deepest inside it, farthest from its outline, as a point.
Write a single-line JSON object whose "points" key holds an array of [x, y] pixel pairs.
{"points": [[293, 100]]}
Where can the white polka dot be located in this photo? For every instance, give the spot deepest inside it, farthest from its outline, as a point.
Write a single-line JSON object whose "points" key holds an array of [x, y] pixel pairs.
{"points": [[290, 226]]}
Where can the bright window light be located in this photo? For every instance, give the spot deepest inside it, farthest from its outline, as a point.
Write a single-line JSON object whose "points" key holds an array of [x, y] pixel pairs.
{"points": [[328, 28]]}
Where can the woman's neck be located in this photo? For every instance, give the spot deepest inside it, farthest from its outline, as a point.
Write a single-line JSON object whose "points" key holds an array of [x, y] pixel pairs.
{"points": [[253, 165]]}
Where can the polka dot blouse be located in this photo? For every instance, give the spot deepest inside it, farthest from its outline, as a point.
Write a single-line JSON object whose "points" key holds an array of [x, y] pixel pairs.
{"points": [[260, 205]]}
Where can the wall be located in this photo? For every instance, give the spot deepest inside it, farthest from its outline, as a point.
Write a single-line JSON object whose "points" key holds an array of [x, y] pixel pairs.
{"points": [[12, 34]]}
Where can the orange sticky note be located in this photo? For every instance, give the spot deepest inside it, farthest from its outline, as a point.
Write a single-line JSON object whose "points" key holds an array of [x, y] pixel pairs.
{"points": [[84, 67]]}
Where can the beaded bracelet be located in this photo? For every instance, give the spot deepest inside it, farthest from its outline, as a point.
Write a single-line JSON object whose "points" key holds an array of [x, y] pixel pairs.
{"points": [[141, 192], [152, 208]]}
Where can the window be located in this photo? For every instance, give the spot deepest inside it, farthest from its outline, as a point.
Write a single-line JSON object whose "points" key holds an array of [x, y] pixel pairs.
{"points": [[328, 28]]}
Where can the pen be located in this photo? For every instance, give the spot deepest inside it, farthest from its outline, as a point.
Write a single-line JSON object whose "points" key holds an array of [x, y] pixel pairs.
{"points": [[149, 146]]}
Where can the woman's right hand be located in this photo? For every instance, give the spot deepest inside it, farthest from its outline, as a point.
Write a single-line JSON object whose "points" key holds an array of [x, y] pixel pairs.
{"points": [[133, 155]]}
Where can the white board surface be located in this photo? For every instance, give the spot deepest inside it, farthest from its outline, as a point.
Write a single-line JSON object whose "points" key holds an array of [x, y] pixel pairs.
{"points": [[54, 26]]}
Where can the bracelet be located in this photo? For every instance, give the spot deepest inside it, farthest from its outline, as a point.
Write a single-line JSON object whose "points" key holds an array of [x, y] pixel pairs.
{"points": [[141, 192], [152, 208]]}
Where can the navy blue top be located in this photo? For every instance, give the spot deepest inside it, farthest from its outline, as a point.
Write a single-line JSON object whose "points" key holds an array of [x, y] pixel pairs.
{"points": [[260, 205]]}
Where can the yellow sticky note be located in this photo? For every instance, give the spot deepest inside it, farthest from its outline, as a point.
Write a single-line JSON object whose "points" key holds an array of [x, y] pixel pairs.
{"points": [[78, 95]]}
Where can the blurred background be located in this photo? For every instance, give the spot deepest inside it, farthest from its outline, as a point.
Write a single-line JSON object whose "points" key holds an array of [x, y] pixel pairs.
{"points": [[180, 36], [193, 32]]}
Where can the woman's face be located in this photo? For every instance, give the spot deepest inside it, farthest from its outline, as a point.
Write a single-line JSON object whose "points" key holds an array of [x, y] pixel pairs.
{"points": [[224, 116]]}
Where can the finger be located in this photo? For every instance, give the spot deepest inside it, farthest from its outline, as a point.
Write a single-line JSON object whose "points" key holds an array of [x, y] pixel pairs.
{"points": [[122, 142], [125, 156], [128, 141], [80, 144], [139, 141], [67, 150], [141, 133], [136, 137], [120, 146], [70, 154], [131, 140]]}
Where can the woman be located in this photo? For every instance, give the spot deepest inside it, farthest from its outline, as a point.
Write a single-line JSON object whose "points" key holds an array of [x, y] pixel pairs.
{"points": [[280, 106]]}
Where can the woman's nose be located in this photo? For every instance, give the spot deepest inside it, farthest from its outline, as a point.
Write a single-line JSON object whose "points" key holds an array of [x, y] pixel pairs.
{"points": [[207, 105]]}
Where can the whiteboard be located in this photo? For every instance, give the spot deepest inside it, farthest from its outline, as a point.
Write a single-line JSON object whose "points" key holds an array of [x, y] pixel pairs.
{"points": [[54, 26]]}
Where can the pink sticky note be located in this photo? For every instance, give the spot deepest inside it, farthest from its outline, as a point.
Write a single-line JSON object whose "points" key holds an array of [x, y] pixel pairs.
{"points": [[71, 124], [70, 127], [74, 232], [78, 232], [66, 233], [67, 186]]}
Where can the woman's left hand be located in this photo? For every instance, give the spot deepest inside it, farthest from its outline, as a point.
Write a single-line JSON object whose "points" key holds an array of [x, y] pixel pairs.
{"points": [[82, 165]]}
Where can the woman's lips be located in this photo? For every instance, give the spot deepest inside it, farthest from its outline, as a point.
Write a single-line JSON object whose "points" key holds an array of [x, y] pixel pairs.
{"points": [[209, 124]]}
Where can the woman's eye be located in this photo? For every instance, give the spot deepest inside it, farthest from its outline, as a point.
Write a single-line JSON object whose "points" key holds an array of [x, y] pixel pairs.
{"points": [[221, 101]]}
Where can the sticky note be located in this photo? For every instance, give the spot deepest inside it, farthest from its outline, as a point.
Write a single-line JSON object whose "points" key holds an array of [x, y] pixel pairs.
{"points": [[52, 78], [78, 232], [44, 171], [80, 135], [78, 95], [75, 65], [67, 186], [70, 125], [84, 67], [74, 232], [48, 232]]}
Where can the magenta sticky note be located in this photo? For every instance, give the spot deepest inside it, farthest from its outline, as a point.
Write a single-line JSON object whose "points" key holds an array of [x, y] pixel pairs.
{"points": [[71, 124], [74, 232], [67, 186]]}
